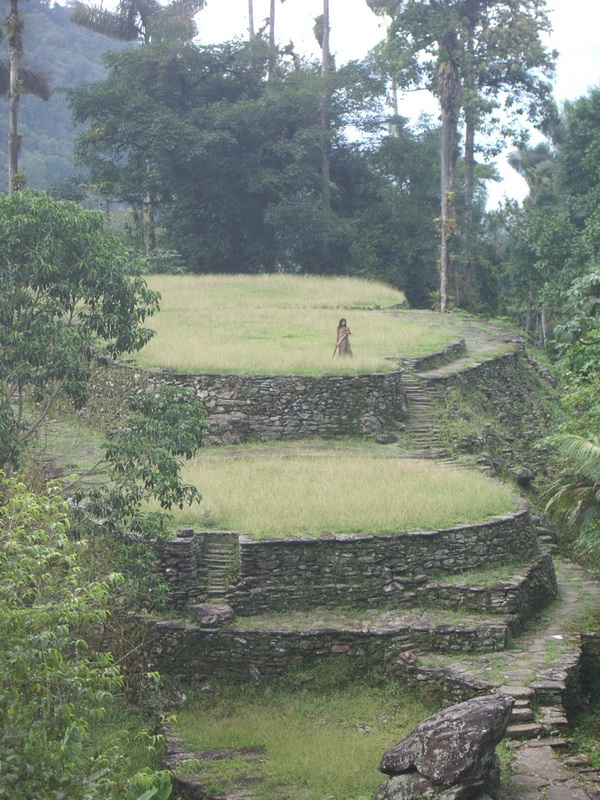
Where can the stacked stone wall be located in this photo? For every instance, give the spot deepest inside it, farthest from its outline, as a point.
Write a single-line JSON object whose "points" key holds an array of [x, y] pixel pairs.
{"points": [[528, 590], [241, 407], [436, 360], [371, 570], [192, 653]]}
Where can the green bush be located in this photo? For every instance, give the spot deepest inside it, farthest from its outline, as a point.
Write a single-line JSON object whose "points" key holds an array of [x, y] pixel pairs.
{"points": [[53, 689]]}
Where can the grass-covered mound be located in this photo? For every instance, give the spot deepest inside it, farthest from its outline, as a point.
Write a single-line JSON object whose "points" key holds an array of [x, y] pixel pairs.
{"points": [[283, 324], [279, 492]]}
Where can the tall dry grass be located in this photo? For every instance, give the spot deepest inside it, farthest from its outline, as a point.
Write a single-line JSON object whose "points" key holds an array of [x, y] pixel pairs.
{"points": [[274, 495], [281, 324]]}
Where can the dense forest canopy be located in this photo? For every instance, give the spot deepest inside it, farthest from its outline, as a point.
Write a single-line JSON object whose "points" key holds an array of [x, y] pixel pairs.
{"points": [[212, 157]]}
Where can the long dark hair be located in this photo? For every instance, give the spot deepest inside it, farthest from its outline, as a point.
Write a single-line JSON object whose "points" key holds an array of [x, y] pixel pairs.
{"points": [[343, 320]]}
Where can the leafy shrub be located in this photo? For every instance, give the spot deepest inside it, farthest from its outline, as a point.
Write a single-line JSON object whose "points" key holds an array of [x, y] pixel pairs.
{"points": [[53, 688]]}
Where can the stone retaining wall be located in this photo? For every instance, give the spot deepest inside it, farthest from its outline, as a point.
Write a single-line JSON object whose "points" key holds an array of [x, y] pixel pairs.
{"points": [[371, 570], [526, 592], [192, 653], [436, 360], [240, 407], [364, 571]]}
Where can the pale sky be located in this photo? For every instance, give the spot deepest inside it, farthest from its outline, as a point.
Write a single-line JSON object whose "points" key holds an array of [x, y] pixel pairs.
{"points": [[355, 29]]}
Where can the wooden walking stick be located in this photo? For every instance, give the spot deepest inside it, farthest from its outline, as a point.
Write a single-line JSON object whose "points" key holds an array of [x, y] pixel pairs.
{"points": [[345, 336]]}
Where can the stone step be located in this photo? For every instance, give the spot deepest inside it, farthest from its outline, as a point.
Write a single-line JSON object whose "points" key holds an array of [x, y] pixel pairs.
{"points": [[553, 717], [525, 730], [521, 715], [220, 548], [428, 429], [555, 742], [517, 691]]}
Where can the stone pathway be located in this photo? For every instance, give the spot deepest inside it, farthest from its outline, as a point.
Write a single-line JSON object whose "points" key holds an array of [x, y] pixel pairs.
{"points": [[535, 672], [535, 669], [423, 426]]}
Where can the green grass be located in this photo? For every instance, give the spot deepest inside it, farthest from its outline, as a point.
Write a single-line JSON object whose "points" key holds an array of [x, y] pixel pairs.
{"points": [[273, 495], [490, 577], [586, 736], [283, 324], [361, 619], [318, 744]]}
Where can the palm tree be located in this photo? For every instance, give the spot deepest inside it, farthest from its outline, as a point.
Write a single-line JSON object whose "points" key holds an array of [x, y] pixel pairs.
{"points": [[575, 499], [251, 31], [17, 79], [138, 20]]}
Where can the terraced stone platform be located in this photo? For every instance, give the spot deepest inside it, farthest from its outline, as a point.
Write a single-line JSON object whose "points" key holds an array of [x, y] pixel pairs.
{"points": [[448, 639]]}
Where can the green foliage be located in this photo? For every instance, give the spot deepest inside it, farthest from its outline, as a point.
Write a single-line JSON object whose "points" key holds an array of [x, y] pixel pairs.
{"points": [[53, 688], [577, 353], [575, 498], [69, 290], [556, 237], [234, 166], [144, 460], [140, 20]]}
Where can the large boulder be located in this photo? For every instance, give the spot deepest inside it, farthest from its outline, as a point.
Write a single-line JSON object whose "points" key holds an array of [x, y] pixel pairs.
{"points": [[450, 755]]}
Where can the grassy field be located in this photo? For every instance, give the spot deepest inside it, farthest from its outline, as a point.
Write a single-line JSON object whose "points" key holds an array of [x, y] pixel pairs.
{"points": [[272, 494], [282, 324], [318, 744]]}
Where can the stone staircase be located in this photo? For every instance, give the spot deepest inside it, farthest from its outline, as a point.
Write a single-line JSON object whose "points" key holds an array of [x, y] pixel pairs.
{"points": [[220, 553], [522, 724], [423, 425]]}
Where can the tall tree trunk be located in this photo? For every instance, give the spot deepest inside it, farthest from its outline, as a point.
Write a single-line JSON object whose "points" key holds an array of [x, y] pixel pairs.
{"points": [[472, 13], [325, 144], [272, 52], [15, 47], [446, 188], [449, 93], [528, 313], [251, 32], [150, 243], [395, 127]]}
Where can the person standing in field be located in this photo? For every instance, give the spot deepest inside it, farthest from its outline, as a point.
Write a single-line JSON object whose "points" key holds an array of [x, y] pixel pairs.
{"points": [[342, 342]]}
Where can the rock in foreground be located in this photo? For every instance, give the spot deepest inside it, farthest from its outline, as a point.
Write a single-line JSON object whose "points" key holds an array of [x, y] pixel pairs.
{"points": [[449, 756]]}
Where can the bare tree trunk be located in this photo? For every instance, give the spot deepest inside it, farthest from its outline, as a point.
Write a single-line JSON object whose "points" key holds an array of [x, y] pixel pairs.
{"points": [[469, 169], [272, 53], [15, 44], [449, 93], [395, 128], [445, 188], [325, 146], [543, 336], [528, 317], [251, 32], [150, 244]]}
